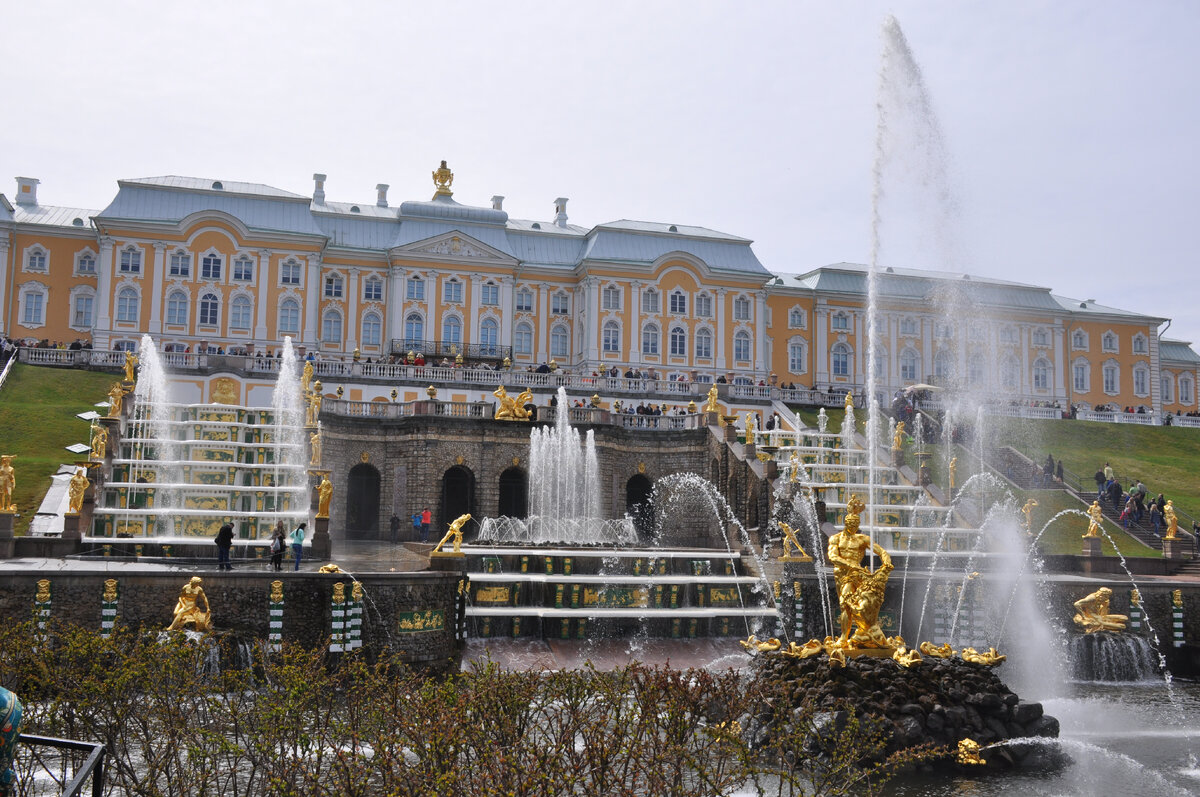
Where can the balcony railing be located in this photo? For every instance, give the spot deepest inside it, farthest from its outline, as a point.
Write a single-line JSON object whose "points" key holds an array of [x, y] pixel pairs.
{"points": [[446, 348], [1144, 419]]}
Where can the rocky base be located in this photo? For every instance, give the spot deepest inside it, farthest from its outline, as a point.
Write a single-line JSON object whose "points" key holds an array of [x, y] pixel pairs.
{"points": [[935, 701]]}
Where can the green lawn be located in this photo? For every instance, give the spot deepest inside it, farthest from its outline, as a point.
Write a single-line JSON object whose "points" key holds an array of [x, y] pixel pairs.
{"points": [[37, 415]]}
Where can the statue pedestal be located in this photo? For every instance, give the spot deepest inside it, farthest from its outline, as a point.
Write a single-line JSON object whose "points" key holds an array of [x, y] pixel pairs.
{"points": [[71, 526], [1174, 549], [1091, 546], [6, 534], [712, 418], [448, 561], [750, 451], [897, 458], [730, 429], [322, 545]]}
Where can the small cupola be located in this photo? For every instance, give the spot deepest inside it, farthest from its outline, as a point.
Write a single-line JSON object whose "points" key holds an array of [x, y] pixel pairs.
{"points": [[27, 190]]}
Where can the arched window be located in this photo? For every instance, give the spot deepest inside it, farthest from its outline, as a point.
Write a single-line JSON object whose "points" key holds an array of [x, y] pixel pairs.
{"points": [[559, 341], [289, 316], [610, 337], [414, 330], [83, 301], [177, 308], [1008, 372], [839, 360], [797, 356], [678, 302], [1041, 374], [650, 339], [678, 341], [35, 259], [704, 342], [452, 330], [372, 330], [239, 312], [85, 263], [1140, 344], [943, 365], [209, 310], [523, 339], [331, 327], [127, 306], [489, 333], [976, 370], [1079, 339], [741, 346], [908, 365], [1109, 342]]}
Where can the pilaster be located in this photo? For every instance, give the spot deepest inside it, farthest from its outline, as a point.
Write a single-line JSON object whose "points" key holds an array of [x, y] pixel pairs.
{"points": [[262, 291], [4, 276], [352, 309], [312, 303], [104, 271], [155, 299]]}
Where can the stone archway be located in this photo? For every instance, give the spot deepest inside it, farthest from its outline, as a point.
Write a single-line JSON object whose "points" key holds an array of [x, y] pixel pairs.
{"points": [[458, 498], [639, 503], [514, 493], [362, 503]]}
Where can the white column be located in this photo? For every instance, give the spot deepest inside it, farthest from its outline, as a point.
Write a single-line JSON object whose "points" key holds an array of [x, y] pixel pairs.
{"points": [[262, 290], [1059, 386], [431, 289], [543, 315], [926, 349], [722, 336], [591, 331], [352, 310], [4, 251], [821, 350], [473, 307], [312, 303], [104, 269], [635, 333], [760, 334], [155, 299], [506, 311], [395, 305]]}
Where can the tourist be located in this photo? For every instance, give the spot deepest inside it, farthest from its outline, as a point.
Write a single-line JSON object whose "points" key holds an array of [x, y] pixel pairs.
{"points": [[416, 521], [426, 522], [278, 545], [224, 542], [1108, 472], [1058, 472], [394, 523], [298, 543], [1100, 482], [1156, 519]]}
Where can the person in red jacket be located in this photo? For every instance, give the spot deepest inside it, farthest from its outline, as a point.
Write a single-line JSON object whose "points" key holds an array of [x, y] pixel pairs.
{"points": [[426, 522]]}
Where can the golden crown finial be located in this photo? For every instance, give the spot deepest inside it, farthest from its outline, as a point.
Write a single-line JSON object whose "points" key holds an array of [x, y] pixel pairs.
{"points": [[442, 179]]}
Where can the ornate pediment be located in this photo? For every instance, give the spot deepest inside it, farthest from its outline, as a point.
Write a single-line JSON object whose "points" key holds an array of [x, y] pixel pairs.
{"points": [[456, 246]]}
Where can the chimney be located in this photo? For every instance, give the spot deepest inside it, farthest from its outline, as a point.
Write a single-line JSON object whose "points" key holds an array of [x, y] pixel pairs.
{"points": [[560, 211], [319, 189], [381, 197], [27, 190], [497, 202]]}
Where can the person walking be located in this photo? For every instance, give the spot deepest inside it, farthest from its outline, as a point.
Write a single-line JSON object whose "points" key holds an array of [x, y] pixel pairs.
{"points": [[1156, 519], [278, 546], [224, 542], [298, 543], [1100, 482], [426, 522], [395, 527]]}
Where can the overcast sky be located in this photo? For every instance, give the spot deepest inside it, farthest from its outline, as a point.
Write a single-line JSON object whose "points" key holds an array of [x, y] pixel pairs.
{"points": [[1069, 128]]}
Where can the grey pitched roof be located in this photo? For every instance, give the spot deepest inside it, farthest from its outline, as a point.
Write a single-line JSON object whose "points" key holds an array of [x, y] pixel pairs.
{"points": [[929, 286], [53, 216], [1177, 351], [206, 184], [1088, 307], [646, 242]]}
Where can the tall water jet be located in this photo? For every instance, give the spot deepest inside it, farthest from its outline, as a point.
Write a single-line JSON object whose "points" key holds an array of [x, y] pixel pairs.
{"points": [[288, 433], [155, 457]]}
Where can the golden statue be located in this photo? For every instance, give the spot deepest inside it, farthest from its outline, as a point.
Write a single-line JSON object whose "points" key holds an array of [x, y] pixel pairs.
{"points": [[1027, 511], [192, 607], [314, 443], [711, 406], [790, 541], [1177, 598], [1096, 514], [115, 394], [110, 590], [989, 658], [330, 568], [454, 533], [99, 441], [810, 648], [898, 437], [1172, 521], [906, 656], [968, 753], [131, 363], [860, 591], [8, 483], [324, 494], [442, 180], [75, 490], [938, 652], [1093, 613], [753, 644], [794, 462], [750, 416], [953, 472], [509, 408], [314, 404], [306, 377], [849, 401]]}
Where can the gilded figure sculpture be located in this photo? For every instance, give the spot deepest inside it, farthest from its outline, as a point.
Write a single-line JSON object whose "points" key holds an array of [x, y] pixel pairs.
{"points": [[314, 445], [860, 591], [1027, 511], [339, 592], [443, 178], [906, 656], [755, 645], [750, 416], [1096, 514], [99, 441], [509, 408], [455, 533], [306, 376], [790, 545], [1093, 614], [276, 594], [953, 472], [988, 658], [849, 401], [110, 590], [76, 487], [330, 568], [794, 464], [943, 651], [898, 437], [968, 753], [43, 590], [711, 405], [1171, 520], [131, 363], [192, 607], [116, 394], [8, 483], [324, 495], [314, 404]]}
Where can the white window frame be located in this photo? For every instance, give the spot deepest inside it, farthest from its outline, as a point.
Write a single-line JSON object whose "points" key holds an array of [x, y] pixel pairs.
{"points": [[414, 289], [335, 286], [30, 291], [1141, 344], [1112, 368], [452, 329], [177, 299], [215, 308], [610, 298], [80, 257], [560, 341], [703, 305], [1081, 375], [452, 291], [741, 308], [797, 319], [560, 303], [129, 260], [372, 289], [678, 302], [283, 313], [677, 341], [328, 318], [123, 317], [524, 301], [36, 260], [80, 293], [797, 353], [523, 339], [650, 340], [1110, 343], [291, 272], [212, 267], [242, 269], [704, 343], [1141, 380], [414, 321], [909, 326], [610, 337], [241, 300], [743, 347], [907, 357], [372, 329], [179, 264], [649, 300]]}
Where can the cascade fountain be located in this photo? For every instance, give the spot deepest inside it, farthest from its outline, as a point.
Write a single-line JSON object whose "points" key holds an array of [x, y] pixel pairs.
{"points": [[184, 469]]}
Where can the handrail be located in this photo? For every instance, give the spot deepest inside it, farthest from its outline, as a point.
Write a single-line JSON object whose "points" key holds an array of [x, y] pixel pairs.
{"points": [[7, 368], [92, 767]]}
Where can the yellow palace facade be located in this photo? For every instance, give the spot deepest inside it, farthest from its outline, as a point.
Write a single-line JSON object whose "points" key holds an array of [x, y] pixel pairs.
{"points": [[239, 266]]}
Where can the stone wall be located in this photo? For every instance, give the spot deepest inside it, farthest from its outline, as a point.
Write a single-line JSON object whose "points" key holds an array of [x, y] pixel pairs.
{"points": [[239, 603]]}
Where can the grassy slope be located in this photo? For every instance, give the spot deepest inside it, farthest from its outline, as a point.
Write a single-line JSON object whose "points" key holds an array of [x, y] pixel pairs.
{"points": [[37, 420]]}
